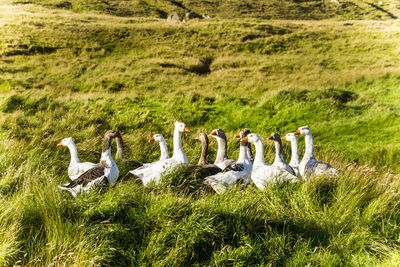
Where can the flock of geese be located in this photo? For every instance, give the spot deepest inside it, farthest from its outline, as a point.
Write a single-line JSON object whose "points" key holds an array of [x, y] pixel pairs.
{"points": [[220, 175]]}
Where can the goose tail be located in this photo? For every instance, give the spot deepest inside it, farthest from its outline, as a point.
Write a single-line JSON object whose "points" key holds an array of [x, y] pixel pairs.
{"points": [[71, 190]]}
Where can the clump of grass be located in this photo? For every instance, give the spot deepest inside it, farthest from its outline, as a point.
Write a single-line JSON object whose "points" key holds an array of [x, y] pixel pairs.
{"points": [[185, 181]]}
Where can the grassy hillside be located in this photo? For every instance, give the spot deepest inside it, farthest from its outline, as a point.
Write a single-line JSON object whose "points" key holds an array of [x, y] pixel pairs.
{"points": [[66, 73], [273, 9]]}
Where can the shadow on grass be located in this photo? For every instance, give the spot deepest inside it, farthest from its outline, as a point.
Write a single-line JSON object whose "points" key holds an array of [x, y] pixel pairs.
{"points": [[202, 68]]}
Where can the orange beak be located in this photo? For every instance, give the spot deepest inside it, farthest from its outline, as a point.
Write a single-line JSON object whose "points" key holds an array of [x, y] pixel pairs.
{"points": [[197, 138], [270, 137], [237, 135], [245, 139], [283, 138], [297, 132], [151, 139], [213, 133], [186, 129], [60, 143]]}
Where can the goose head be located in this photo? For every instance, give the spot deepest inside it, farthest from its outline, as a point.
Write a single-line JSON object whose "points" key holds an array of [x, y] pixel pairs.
{"points": [[66, 141], [303, 131], [112, 134], [156, 138], [275, 137], [218, 133], [202, 137], [289, 137], [181, 127], [251, 138], [108, 136], [243, 133]]}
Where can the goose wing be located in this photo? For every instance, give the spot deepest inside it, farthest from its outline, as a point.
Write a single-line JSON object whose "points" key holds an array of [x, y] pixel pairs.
{"points": [[211, 169], [154, 171], [74, 171], [88, 176], [225, 163], [237, 167], [270, 174], [220, 182], [321, 168]]}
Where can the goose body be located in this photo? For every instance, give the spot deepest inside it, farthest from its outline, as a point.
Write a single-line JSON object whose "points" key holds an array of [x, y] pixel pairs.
{"points": [[309, 165], [76, 167], [106, 171], [234, 173], [263, 173], [295, 159], [153, 172]]}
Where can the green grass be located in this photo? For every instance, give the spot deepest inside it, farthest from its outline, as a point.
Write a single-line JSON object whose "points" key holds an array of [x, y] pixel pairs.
{"points": [[81, 69]]}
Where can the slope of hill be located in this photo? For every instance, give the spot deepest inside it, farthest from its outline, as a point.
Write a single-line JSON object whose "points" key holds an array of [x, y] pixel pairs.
{"points": [[274, 9], [65, 73]]}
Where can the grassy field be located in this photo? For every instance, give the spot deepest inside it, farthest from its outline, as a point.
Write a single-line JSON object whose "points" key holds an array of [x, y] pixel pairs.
{"points": [[82, 68]]}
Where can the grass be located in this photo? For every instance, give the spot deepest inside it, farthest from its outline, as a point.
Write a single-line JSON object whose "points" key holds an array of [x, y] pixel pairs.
{"points": [[81, 69]]}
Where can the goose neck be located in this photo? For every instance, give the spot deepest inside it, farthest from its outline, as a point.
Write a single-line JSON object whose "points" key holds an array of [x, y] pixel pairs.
{"points": [[106, 152], [179, 155], [243, 156], [106, 144], [163, 149], [74, 153], [278, 152], [295, 160], [249, 153], [259, 156], [222, 153], [120, 148], [177, 142], [309, 151], [204, 152], [106, 155]]}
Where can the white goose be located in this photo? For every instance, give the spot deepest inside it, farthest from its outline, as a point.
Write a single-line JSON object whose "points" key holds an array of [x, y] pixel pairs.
{"points": [[279, 160], [222, 160], [133, 164], [232, 174], [249, 152], [154, 171], [76, 167], [295, 159], [309, 165], [263, 173], [105, 171], [159, 138], [163, 148]]}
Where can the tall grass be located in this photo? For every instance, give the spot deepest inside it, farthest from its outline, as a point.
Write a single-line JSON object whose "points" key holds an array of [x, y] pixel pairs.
{"points": [[350, 220]]}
